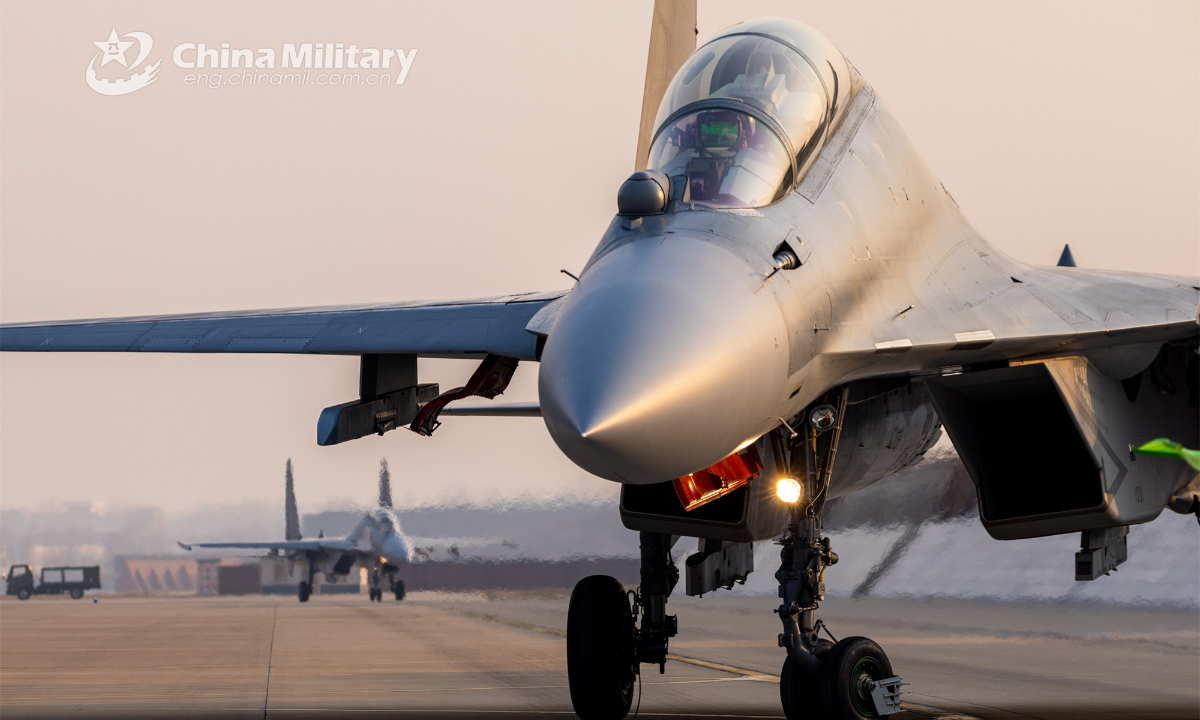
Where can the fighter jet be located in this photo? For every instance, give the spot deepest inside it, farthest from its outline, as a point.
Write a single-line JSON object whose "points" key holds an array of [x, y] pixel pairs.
{"points": [[787, 307], [377, 544]]}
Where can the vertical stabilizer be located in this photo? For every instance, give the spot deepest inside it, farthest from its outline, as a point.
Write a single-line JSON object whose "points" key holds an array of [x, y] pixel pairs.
{"points": [[672, 40], [385, 484], [291, 516]]}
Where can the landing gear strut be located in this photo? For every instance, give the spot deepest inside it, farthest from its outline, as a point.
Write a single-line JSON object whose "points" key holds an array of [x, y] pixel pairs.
{"points": [[605, 645], [848, 679], [659, 577], [306, 586], [388, 572]]}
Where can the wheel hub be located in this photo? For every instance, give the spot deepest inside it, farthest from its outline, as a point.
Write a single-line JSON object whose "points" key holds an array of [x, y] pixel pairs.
{"points": [[866, 671]]}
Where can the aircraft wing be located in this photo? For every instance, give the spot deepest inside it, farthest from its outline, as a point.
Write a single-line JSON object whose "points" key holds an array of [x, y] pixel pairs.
{"points": [[336, 544], [461, 543], [1117, 319], [446, 328]]}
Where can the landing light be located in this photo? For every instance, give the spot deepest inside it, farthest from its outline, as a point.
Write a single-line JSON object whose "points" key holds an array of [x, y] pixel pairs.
{"points": [[788, 490]]}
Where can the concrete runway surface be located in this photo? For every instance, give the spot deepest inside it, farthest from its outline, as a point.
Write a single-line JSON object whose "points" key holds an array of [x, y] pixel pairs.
{"points": [[465, 656]]}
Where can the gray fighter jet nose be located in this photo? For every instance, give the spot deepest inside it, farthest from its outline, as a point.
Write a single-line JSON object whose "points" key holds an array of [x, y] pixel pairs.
{"points": [[663, 361]]}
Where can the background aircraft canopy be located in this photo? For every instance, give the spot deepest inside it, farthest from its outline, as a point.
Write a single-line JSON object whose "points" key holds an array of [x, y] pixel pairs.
{"points": [[782, 68]]}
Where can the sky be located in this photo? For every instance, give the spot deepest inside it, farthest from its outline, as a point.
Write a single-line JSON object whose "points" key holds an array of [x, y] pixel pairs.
{"points": [[492, 167]]}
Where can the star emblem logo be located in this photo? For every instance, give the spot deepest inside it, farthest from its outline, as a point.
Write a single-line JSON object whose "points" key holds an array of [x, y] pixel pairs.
{"points": [[114, 49]]}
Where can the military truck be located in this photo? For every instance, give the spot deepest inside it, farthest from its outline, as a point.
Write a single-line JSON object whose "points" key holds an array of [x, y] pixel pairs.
{"points": [[55, 581]]}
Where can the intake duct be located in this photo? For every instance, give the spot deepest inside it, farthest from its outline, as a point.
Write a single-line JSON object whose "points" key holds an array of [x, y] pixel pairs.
{"points": [[1048, 446]]}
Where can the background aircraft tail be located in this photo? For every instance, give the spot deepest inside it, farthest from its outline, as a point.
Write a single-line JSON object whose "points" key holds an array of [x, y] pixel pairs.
{"points": [[385, 484], [291, 513]]}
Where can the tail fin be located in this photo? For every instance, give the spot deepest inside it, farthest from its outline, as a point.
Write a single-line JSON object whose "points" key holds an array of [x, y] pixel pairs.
{"points": [[1066, 259], [291, 515], [385, 484], [672, 40]]}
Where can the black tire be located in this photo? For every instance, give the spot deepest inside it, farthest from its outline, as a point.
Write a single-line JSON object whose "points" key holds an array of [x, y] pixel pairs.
{"points": [[23, 594], [600, 649], [841, 692], [76, 594], [305, 591], [399, 589], [799, 691]]}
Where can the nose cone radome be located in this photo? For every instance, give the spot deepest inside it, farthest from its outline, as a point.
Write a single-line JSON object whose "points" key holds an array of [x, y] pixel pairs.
{"points": [[662, 361]]}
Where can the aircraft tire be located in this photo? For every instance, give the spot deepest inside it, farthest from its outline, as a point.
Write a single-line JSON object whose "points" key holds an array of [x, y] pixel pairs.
{"points": [[23, 594], [601, 667], [848, 661], [76, 594], [305, 591], [799, 691], [400, 593]]}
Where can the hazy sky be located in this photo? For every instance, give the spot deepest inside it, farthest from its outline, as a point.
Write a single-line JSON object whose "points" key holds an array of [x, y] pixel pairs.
{"points": [[494, 165]]}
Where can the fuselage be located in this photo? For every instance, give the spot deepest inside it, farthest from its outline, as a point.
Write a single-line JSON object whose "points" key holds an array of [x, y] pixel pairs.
{"points": [[379, 533], [676, 349]]}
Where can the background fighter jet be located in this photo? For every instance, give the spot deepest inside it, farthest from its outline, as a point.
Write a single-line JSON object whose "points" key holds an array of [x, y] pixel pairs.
{"points": [[787, 307], [377, 543]]}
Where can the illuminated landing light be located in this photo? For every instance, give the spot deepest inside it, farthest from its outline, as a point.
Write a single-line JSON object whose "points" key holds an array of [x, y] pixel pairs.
{"points": [[788, 490]]}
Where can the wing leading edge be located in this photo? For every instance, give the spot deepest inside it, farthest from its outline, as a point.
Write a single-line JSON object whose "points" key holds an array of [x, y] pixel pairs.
{"points": [[300, 545], [470, 328]]}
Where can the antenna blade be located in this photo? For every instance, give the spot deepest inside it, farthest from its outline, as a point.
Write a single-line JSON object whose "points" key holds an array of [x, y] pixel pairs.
{"points": [[672, 40]]}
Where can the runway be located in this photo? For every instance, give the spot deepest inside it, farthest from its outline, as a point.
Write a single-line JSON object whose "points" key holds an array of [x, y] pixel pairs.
{"points": [[464, 656]]}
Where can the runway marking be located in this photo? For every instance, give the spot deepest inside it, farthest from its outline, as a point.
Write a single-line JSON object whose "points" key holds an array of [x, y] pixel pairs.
{"points": [[270, 657], [504, 621], [565, 713], [746, 674], [933, 712], [356, 693], [920, 709], [1014, 713]]}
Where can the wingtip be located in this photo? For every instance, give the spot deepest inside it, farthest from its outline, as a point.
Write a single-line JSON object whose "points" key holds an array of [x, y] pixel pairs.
{"points": [[185, 547]]}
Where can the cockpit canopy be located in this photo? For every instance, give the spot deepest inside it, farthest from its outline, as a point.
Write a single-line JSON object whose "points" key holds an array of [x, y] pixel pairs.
{"points": [[751, 76], [730, 159], [386, 520]]}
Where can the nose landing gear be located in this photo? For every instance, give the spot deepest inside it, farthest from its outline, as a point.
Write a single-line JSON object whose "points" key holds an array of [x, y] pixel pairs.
{"points": [[847, 679], [822, 679]]}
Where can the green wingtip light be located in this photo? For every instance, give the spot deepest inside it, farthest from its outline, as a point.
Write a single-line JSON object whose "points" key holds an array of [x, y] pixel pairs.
{"points": [[1162, 447]]}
